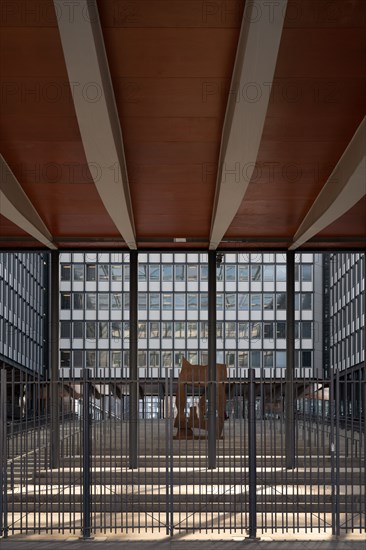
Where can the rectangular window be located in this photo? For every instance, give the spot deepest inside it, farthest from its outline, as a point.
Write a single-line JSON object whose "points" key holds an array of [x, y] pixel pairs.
{"points": [[230, 301], [230, 273], [306, 359], [243, 302], [243, 359], [90, 330], [116, 359], [280, 273], [90, 358], [91, 301], [281, 301], [192, 330], [142, 330], [103, 272], [256, 272], [142, 272], [167, 272], [192, 301], [78, 272], [116, 301], [103, 329], [219, 301], [78, 299], [142, 301], [180, 329], [103, 359], [230, 330], [103, 301], [255, 331], [78, 358], [204, 329], [255, 359], [243, 273], [154, 273], [65, 300], [281, 329], [65, 272], [268, 273], [230, 359], [179, 301], [141, 359], [306, 327], [243, 330], [180, 273], [281, 359], [256, 302], [168, 301], [65, 329], [90, 272], [154, 301], [126, 273], [268, 330], [192, 273], [268, 301], [166, 329], [268, 359], [219, 329], [306, 300], [306, 272], [154, 357], [78, 329], [204, 272], [204, 301], [167, 359], [154, 330], [65, 358], [116, 272], [116, 330]]}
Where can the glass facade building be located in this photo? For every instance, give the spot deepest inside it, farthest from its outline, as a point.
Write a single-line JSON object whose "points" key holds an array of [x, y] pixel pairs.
{"points": [[23, 311], [347, 311], [173, 312]]}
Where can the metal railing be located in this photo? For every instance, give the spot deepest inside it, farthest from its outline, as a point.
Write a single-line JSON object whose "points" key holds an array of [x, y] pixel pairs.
{"points": [[164, 482]]}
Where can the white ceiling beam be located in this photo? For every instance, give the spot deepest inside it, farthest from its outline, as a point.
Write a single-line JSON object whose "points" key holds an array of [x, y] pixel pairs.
{"points": [[246, 110], [96, 110], [343, 189], [17, 207]]}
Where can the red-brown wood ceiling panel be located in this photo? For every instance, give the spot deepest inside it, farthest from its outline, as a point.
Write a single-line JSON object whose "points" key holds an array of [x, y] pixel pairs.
{"points": [[316, 104], [40, 138], [171, 65]]}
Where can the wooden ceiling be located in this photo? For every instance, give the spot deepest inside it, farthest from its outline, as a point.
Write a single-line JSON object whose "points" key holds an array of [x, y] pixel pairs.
{"points": [[171, 66]]}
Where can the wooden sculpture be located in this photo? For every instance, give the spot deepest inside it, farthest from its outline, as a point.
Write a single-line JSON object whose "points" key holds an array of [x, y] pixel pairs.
{"points": [[196, 376]]}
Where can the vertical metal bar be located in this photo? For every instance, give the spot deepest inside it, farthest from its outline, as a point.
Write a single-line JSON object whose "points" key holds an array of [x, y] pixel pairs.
{"points": [[3, 456], [252, 457], [86, 526], [290, 360], [133, 401], [54, 339], [337, 458], [211, 421]]}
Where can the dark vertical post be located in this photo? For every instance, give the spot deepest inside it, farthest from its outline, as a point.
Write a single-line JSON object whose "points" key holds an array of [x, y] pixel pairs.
{"points": [[133, 401], [211, 390], [3, 456], [337, 456], [86, 529], [252, 444], [54, 374], [290, 361]]}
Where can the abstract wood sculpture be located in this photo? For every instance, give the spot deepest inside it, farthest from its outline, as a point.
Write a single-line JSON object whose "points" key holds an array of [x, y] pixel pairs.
{"points": [[196, 376]]}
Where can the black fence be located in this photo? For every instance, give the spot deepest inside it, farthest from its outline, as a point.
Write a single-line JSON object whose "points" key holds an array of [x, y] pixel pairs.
{"points": [[94, 463]]}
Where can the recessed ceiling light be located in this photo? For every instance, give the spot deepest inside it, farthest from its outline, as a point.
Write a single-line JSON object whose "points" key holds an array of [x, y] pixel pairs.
{"points": [[180, 240]]}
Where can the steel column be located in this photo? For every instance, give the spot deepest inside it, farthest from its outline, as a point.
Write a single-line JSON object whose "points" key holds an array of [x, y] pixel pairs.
{"points": [[86, 513], [252, 450], [3, 456], [211, 391], [54, 316], [290, 360], [133, 401]]}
